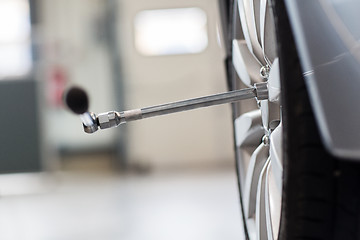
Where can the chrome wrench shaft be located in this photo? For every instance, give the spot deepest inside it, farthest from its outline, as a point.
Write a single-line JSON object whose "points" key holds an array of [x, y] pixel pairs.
{"points": [[113, 118]]}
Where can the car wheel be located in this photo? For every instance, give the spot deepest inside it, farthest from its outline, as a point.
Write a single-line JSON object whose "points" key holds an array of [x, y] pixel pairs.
{"points": [[290, 187]]}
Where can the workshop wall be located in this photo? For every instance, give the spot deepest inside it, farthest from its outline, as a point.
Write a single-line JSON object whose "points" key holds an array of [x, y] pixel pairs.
{"points": [[201, 137]]}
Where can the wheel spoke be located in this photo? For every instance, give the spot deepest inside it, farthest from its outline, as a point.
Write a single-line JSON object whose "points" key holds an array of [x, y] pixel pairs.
{"points": [[267, 31], [274, 82], [246, 66], [247, 18], [276, 154], [263, 6], [256, 9], [261, 219], [248, 129], [273, 202], [270, 114], [268, 195], [244, 25], [255, 167]]}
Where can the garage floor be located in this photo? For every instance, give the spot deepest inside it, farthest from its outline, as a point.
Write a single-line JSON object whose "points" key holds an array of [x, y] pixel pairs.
{"points": [[94, 205]]}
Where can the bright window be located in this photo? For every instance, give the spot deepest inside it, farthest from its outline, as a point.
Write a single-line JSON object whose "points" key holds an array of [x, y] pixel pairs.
{"points": [[15, 44], [171, 31]]}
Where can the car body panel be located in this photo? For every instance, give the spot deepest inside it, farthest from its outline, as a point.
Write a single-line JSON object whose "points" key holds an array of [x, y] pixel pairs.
{"points": [[327, 36]]}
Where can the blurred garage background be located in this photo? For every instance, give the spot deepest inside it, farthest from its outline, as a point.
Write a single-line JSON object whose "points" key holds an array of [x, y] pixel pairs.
{"points": [[170, 177]]}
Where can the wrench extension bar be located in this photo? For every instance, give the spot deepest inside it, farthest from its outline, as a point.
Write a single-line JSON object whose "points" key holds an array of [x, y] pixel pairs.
{"points": [[114, 118], [195, 103]]}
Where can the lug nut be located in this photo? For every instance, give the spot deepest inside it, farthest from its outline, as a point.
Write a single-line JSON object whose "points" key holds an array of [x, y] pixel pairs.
{"points": [[266, 140]]}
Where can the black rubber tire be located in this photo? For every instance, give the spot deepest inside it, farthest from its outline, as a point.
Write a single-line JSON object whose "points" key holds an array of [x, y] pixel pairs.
{"points": [[321, 194]]}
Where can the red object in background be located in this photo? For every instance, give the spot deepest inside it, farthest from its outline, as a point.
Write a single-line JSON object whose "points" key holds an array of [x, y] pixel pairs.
{"points": [[56, 87]]}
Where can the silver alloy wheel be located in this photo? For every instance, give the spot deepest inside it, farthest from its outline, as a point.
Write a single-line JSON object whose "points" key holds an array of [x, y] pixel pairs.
{"points": [[258, 127]]}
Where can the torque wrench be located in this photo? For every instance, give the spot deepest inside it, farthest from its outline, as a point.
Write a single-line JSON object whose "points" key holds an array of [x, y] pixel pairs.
{"points": [[76, 99]]}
